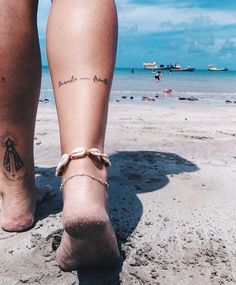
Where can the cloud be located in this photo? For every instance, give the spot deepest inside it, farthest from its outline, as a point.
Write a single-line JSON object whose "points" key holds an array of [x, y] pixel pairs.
{"points": [[228, 49], [153, 18], [192, 31]]}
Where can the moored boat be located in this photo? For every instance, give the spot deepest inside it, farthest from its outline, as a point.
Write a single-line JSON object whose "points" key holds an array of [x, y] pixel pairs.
{"points": [[163, 67], [212, 67], [178, 67]]}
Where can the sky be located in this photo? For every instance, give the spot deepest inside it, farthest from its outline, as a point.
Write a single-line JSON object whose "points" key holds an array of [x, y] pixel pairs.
{"points": [[190, 32]]}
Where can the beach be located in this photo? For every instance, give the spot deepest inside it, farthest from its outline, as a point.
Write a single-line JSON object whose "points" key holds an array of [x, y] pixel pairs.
{"points": [[172, 190]]}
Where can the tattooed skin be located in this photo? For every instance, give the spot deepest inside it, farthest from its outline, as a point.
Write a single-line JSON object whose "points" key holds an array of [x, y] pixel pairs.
{"points": [[96, 79], [12, 162], [73, 79]]}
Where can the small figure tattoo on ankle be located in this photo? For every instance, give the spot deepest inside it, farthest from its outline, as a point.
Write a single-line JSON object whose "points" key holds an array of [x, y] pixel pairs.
{"points": [[12, 162]]}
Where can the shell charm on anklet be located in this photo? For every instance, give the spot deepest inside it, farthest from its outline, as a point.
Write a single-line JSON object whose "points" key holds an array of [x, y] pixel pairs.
{"points": [[78, 153]]}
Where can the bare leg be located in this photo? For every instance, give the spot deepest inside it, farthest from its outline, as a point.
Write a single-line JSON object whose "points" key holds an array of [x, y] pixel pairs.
{"points": [[20, 82], [81, 45]]}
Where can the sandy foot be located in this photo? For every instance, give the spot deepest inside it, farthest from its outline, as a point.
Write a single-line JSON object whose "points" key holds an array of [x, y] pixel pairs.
{"points": [[18, 207]]}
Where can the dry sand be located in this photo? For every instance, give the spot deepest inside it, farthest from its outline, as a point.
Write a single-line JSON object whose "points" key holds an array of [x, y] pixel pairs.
{"points": [[172, 199]]}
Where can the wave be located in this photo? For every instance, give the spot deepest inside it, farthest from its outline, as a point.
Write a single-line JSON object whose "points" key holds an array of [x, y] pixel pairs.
{"points": [[175, 92], [47, 89], [134, 92]]}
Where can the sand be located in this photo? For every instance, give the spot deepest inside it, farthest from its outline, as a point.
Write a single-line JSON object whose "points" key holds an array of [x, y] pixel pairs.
{"points": [[172, 198]]}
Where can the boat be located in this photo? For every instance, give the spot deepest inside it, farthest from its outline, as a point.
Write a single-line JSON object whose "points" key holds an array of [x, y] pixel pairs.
{"points": [[212, 67], [163, 67], [152, 65], [178, 67]]}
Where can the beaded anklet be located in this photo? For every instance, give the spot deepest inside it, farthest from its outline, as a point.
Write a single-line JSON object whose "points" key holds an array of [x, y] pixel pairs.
{"points": [[77, 154]]}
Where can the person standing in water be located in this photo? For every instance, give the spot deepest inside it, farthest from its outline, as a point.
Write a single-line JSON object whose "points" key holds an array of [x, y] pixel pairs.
{"points": [[158, 76]]}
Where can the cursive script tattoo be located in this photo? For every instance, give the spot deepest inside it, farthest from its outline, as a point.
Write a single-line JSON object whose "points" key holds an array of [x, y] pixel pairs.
{"points": [[12, 162], [73, 79], [96, 79]]}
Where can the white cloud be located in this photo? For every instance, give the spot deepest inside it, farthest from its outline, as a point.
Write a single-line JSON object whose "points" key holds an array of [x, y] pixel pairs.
{"points": [[160, 18]]}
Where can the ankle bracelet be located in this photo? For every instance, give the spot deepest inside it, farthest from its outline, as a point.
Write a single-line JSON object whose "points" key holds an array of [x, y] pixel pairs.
{"points": [[104, 183], [81, 153]]}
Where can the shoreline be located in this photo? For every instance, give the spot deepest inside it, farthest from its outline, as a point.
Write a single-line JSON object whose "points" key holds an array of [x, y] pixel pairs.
{"points": [[155, 98]]}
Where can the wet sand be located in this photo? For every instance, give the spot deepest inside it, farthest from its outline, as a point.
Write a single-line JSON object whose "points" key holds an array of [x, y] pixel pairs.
{"points": [[172, 199]]}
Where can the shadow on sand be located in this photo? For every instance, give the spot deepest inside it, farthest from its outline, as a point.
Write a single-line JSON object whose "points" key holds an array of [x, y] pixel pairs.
{"points": [[52, 204], [131, 173]]}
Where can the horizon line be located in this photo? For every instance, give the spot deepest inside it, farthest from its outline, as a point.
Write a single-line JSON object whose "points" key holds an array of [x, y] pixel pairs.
{"points": [[138, 67]]}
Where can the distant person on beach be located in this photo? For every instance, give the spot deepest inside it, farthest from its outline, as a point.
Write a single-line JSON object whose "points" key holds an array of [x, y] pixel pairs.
{"points": [[81, 49], [158, 76]]}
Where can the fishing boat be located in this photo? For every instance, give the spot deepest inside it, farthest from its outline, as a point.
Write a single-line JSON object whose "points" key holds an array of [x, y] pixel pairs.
{"points": [[212, 67], [178, 67]]}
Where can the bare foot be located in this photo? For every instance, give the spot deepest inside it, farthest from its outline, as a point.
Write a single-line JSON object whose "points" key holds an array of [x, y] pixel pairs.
{"points": [[89, 239], [99, 252], [85, 200], [17, 207]]}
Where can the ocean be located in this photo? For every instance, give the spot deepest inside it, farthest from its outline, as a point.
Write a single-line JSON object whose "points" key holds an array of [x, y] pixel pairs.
{"points": [[201, 84]]}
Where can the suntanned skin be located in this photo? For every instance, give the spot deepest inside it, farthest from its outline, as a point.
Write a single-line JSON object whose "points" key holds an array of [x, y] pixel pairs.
{"points": [[20, 76], [81, 47]]}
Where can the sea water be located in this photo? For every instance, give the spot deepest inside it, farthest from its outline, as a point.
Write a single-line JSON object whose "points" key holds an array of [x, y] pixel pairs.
{"points": [[136, 83]]}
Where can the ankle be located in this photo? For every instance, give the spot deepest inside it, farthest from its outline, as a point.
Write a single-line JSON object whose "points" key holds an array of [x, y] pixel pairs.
{"points": [[86, 164], [26, 182], [96, 156]]}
